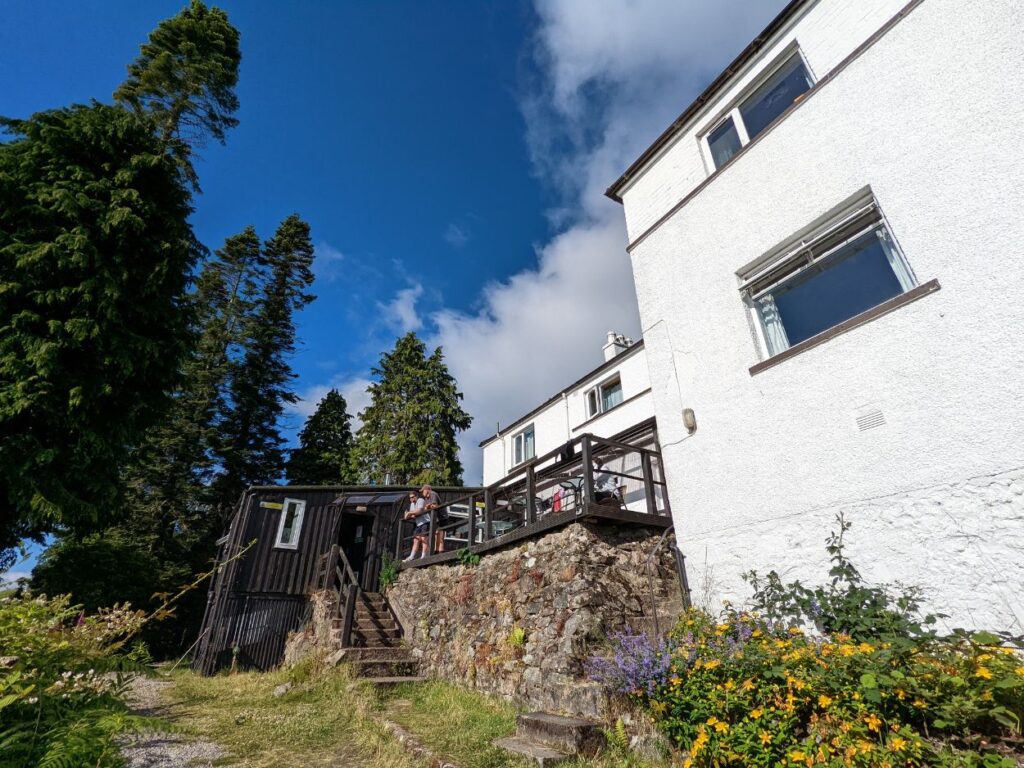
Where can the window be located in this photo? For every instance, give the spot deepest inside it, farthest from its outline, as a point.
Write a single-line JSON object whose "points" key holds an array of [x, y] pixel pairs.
{"points": [[604, 397], [843, 268], [290, 527], [524, 446], [771, 98]]}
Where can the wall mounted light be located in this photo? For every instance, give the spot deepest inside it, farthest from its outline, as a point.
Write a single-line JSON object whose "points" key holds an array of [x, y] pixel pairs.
{"points": [[689, 420]]}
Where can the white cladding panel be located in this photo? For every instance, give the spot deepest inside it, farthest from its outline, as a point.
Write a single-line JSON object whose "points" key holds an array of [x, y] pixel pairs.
{"points": [[565, 418], [930, 117], [827, 32]]}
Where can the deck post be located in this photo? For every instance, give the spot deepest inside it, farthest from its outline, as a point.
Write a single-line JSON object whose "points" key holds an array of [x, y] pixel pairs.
{"points": [[588, 470], [531, 491], [647, 472], [398, 539], [433, 529], [471, 533], [350, 612], [488, 507]]}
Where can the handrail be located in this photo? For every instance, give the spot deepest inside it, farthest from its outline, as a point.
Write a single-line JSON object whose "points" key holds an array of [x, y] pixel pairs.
{"points": [[341, 579]]}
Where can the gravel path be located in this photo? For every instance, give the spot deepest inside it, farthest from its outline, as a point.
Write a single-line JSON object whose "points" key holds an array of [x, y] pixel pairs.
{"points": [[162, 750]]}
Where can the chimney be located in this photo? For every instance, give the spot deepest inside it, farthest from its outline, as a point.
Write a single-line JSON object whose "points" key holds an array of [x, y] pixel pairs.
{"points": [[617, 343]]}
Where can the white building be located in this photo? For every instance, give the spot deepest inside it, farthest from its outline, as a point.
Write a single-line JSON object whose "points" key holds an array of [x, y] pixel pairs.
{"points": [[827, 246], [611, 398]]}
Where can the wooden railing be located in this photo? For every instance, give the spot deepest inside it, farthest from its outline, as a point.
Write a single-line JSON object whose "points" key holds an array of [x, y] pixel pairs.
{"points": [[563, 483], [337, 575]]}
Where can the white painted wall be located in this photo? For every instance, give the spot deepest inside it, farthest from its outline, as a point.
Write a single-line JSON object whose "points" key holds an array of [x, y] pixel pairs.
{"points": [[566, 417], [827, 31], [930, 117]]}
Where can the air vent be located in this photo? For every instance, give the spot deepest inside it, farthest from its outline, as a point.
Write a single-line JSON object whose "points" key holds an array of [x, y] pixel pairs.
{"points": [[869, 419]]}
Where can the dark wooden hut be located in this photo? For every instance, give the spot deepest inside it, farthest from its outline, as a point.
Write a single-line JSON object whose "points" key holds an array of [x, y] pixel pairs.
{"points": [[261, 596]]}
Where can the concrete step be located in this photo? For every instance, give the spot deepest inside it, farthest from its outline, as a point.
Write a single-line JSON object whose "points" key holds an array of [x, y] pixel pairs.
{"points": [[567, 734], [539, 753], [389, 682], [403, 668]]}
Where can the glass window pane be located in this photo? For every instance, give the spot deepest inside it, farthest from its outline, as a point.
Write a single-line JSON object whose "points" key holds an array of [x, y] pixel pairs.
{"points": [[611, 395], [528, 445], [519, 448], [724, 142], [774, 97], [855, 278], [592, 402], [288, 530]]}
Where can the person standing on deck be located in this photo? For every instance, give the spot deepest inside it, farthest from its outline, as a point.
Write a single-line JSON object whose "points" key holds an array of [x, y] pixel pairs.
{"points": [[433, 502], [418, 513]]}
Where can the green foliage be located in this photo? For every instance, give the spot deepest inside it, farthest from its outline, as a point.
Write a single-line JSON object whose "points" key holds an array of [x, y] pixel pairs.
{"points": [[95, 251], [388, 571], [516, 637], [325, 444], [617, 737], [409, 428], [846, 604], [468, 558], [62, 694], [757, 690], [185, 78]]}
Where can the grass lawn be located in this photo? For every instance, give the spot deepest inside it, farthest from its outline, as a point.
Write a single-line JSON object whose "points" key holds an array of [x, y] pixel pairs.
{"points": [[325, 720], [320, 722]]}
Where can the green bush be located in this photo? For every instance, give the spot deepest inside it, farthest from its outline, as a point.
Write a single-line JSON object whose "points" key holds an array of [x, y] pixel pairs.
{"points": [[468, 558], [388, 572], [61, 683], [871, 686]]}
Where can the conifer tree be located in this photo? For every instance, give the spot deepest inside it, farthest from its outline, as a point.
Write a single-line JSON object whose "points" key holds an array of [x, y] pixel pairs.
{"points": [[409, 428], [259, 382], [325, 445]]}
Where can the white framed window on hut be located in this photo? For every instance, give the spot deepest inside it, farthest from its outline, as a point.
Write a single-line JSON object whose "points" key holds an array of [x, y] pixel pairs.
{"points": [[290, 525], [827, 275], [524, 446]]}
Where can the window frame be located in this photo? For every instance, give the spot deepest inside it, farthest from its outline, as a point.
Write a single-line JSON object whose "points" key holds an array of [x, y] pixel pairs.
{"points": [[597, 392], [733, 111], [807, 249], [297, 526], [519, 445]]}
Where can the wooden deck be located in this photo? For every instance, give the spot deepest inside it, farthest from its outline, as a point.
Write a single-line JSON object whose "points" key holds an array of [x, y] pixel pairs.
{"points": [[546, 523]]}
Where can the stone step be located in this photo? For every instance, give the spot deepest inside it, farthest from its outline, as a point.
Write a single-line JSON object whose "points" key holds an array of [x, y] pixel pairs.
{"points": [[539, 753], [378, 637], [390, 682], [403, 668], [365, 624], [568, 734], [379, 653]]}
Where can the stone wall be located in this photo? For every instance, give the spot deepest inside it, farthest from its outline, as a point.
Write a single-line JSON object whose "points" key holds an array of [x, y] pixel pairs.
{"points": [[522, 622]]}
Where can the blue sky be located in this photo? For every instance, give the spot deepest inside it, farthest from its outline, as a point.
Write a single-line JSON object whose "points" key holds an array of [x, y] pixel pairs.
{"points": [[450, 157]]}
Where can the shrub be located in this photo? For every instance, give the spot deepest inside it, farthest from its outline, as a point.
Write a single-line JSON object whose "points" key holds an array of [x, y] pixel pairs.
{"points": [[388, 572], [61, 688], [468, 558], [760, 690]]}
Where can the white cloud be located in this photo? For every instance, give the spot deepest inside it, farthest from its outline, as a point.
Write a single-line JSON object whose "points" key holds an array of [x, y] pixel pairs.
{"points": [[612, 74], [400, 313], [328, 262], [457, 236], [9, 578], [352, 389]]}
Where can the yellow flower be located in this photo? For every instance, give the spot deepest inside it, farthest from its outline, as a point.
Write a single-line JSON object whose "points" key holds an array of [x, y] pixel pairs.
{"points": [[756, 713], [675, 680], [721, 727], [873, 722], [766, 738], [711, 664], [729, 685], [847, 650], [688, 763], [865, 746], [748, 685], [983, 672], [1019, 671], [901, 694], [984, 657], [824, 701], [865, 648], [919, 703], [712, 720], [797, 756], [897, 743], [721, 628]]}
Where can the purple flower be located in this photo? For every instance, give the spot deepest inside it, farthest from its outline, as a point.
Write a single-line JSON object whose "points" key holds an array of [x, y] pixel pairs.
{"points": [[639, 664]]}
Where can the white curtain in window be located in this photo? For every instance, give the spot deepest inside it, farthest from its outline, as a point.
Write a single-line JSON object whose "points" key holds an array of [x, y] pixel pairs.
{"points": [[528, 447], [774, 331], [899, 266]]}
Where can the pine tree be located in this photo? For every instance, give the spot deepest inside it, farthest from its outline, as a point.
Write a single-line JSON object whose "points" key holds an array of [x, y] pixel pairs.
{"points": [[95, 253], [259, 385], [325, 445], [409, 428], [185, 78]]}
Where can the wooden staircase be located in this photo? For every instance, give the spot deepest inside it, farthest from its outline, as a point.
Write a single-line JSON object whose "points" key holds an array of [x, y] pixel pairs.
{"points": [[365, 628]]}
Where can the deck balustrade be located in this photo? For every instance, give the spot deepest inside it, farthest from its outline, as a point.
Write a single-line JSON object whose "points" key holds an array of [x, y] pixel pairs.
{"points": [[587, 477]]}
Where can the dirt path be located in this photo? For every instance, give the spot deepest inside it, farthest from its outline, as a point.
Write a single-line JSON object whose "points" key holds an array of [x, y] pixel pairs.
{"points": [[147, 696]]}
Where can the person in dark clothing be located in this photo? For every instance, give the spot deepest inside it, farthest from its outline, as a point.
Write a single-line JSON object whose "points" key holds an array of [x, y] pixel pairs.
{"points": [[433, 502]]}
